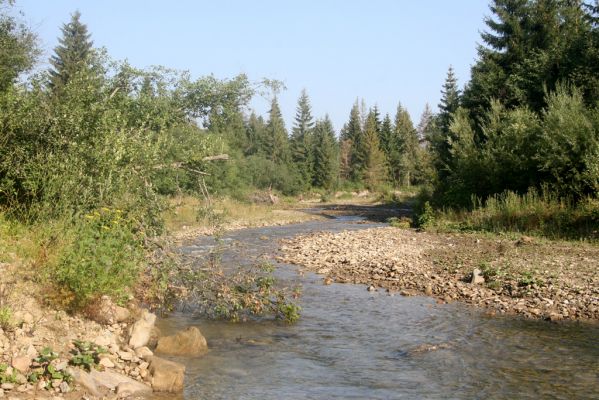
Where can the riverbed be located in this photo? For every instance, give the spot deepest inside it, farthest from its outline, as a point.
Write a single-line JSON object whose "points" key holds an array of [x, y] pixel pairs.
{"points": [[351, 343]]}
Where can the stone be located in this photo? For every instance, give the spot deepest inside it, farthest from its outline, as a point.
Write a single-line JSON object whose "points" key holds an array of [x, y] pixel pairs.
{"points": [[189, 342], [125, 355], [7, 386], [143, 352], [64, 387], [84, 380], [105, 339], [106, 362], [477, 277], [142, 329], [134, 388], [167, 376], [121, 314], [21, 363]]}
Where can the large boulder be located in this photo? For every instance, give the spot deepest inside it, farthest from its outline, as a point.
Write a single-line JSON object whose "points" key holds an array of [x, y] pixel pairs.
{"points": [[142, 329], [189, 342], [167, 376]]}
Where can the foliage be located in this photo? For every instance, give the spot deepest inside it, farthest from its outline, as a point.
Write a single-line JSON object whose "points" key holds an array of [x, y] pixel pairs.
{"points": [[18, 49], [5, 317], [86, 354], [239, 294], [301, 139], [7, 378], [426, 217], [72, 54], [47, 369], [535, 212], [104, 257]]}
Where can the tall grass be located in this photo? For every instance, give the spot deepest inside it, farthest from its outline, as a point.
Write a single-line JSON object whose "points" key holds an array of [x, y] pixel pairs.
{"points": [[535, 212]]}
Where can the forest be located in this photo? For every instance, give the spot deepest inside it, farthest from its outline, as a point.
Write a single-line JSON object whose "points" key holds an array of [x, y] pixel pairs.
{"points": [[93, 146]]}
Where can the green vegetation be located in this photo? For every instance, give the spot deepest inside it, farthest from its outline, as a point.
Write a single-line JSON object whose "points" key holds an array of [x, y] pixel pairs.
{"points": [[93, 150], [86, 354], [519, 149]]}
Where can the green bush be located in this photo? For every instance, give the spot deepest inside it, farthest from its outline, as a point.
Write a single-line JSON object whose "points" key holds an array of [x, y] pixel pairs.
{"points": [[104, 257]]}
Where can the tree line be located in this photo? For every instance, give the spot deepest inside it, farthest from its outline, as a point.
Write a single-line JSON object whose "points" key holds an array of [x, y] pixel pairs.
{"points": [[91, 131]]}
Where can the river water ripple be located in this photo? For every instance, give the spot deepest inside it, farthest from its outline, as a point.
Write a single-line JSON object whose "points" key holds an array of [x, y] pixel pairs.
{"points": [[355, 344]]}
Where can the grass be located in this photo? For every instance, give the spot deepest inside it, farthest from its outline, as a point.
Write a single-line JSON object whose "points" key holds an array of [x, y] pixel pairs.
{"points": [[189, 212], [534, 213]]}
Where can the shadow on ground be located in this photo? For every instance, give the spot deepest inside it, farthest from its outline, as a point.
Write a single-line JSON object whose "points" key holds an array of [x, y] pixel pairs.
{"points": [[374, 213]]}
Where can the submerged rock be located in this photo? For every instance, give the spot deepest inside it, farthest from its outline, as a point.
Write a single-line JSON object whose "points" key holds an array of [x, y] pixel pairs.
{"points": [[189, 342]]}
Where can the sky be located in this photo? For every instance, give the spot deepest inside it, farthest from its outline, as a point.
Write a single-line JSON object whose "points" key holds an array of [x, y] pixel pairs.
{"points": [[382, 51]]}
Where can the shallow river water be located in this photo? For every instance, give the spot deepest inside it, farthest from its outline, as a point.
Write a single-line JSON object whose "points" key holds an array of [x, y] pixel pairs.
{"points": [[354, 344]]}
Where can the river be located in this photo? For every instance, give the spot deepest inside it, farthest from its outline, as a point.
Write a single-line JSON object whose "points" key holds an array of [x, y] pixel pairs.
{"points": [[354, 344]]}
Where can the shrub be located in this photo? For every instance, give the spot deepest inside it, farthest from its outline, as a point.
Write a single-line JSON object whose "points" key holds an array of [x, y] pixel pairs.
{"points": [[104, 257]]}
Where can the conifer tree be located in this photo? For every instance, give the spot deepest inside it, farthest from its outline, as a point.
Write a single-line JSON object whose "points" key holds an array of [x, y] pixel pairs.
{"points": [[325, 155], [425, 125], [277, 140], [301, 137], [406, 146], [72, 55], [374, 163], [386, 135], [441, 136], [351, 139], [256, 135], [450, 100]]}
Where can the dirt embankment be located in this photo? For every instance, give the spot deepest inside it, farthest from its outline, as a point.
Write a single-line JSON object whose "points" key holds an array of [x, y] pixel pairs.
{"points": [[531, 277]]}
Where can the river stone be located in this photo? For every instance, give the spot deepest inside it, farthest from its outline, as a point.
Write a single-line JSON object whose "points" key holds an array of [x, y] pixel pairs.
{"points": [[84, 380], [167, 376], [189, 342], [477, 277], [142, 329], [134, 388], [143, 352]]}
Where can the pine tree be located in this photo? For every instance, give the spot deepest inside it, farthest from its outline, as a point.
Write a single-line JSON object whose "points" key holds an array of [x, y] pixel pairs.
{"points": [[301, 137], [326, 155], [374, 167], [72, 55], [277, 144]]}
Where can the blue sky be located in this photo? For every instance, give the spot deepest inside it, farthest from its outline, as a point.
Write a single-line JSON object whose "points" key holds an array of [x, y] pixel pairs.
{"points": [[384, 51]]}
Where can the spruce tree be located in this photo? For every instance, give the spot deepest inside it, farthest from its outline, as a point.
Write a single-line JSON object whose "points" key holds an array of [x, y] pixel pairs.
{"points": [[277, 140], [72, 55], [301, 137], [406, 147], [425, 126], [374, 172], [256, 135], [450, 100], [386, 135], [326, 155]]}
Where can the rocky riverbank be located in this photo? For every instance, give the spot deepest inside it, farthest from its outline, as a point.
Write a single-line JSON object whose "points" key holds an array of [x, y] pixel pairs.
{"points": [[532, 277], [49, 354]]}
